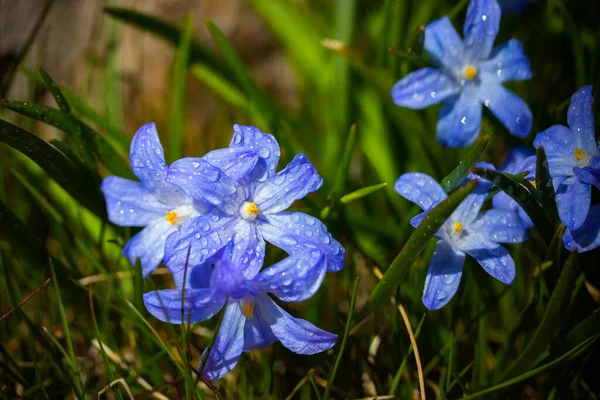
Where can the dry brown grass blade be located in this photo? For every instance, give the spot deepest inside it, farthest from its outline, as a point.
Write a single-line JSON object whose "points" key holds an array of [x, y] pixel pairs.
{"points": [[415, 350], [25, 300]]}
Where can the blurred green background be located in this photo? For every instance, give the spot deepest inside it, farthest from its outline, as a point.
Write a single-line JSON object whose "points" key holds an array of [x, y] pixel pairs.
{"points": [[306, 71]]}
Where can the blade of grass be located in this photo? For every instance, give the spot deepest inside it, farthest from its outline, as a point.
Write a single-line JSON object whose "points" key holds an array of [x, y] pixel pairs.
{"points": [[398, 376], [543, 184], [356, 195], [459, 174], [25, 300], [417, 241], [344, 340], [179, 91]]}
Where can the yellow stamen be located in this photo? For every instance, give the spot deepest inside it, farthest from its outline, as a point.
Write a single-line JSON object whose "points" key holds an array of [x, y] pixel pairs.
{"points": [[457, 227], [252, 209], [470, 72], [171, 217], [579, 154], [533, 183], [248, 308]]}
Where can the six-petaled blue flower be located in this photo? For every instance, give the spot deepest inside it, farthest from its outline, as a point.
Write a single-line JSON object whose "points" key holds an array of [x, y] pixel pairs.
{"points": [[573, 159], [468, 74], [251, 320], [467, 231], [248, 209]]}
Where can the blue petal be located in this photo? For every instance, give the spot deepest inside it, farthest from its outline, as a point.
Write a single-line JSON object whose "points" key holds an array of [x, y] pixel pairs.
{"points": [[147, 157], [202, 181], [587, 237], [237, 163], [443, 275], [290, 184], [588, 175], [423, 88], [297, 335], [296, 232], [257, 333], [501, 226], [481, 27], [558, 143], [263, 144], [509, 108], [573, 200], [295, 278], [494, 258], [581, 120], [508, 62], [443, 43], [202, 236], [468, 210], [199, 305], [514, 161], [503, 201], [421, 189], [149, 245], [228, 345], [248, 249], [129, 203], [460, 120]]}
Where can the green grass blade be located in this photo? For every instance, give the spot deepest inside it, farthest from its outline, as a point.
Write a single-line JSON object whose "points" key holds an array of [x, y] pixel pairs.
{"points": [[360, 193], [543, 184], [551, 322], [343, 345], [417, 241], [459, 174], [39, 112], [179, 92], [225, 89], [342, 172]]}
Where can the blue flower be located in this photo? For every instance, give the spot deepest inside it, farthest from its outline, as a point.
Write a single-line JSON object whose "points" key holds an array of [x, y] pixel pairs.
{"points": [[251, 320], [467, 231], [573, 159], [468, 74], [587, 236], [154, 203], [519, 159], [248, 210]]}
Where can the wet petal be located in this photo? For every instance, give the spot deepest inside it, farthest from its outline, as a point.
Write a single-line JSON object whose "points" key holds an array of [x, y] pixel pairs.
{"points": [[503, 201], [443, 275], [469, 209], [257, 333], [228, 344], [297, 335], [296, 232], [443, 43], [501, 226], [581, 120], [481, 27], [129, 203], [588, 175], [587, 237], [423, 88], [149, 245], [508, 62], [509, 108], [460, 120], [248, 249], [421, 189], [292, 183], [558, 143], [147, 157], [202, 181], [573, 200], [263, 144], [295, 278], [199, 305], [494, 258], [237, 163], [515, 159]]}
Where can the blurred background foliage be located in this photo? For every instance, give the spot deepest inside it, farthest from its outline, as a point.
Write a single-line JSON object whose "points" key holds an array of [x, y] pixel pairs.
{"points": [[307, 71]]}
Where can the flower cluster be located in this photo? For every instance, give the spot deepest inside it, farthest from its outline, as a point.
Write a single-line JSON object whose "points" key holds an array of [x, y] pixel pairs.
{"points": [[209, 218]]}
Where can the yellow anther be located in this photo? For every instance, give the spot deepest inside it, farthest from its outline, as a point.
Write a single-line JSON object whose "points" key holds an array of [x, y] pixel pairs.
{"points": [[470, 72], [171, 217], [248, 308], [251, 209], [533, 183], [579, 154], [457, 227]]}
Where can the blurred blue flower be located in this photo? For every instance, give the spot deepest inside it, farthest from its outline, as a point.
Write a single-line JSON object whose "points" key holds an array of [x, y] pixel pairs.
{"points": [[514, 6], [251, 320], [573, 159], [153, 203], [248, 207], [467, 231], [468, 74], [587, 236], [519, 159]]}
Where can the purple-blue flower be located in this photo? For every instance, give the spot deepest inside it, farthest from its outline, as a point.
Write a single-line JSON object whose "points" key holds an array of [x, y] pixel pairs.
{"points": [[573, 159], [467, 231], [519, 159], [587, 236], [248, 209], [468, 74], [251, 320]]}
